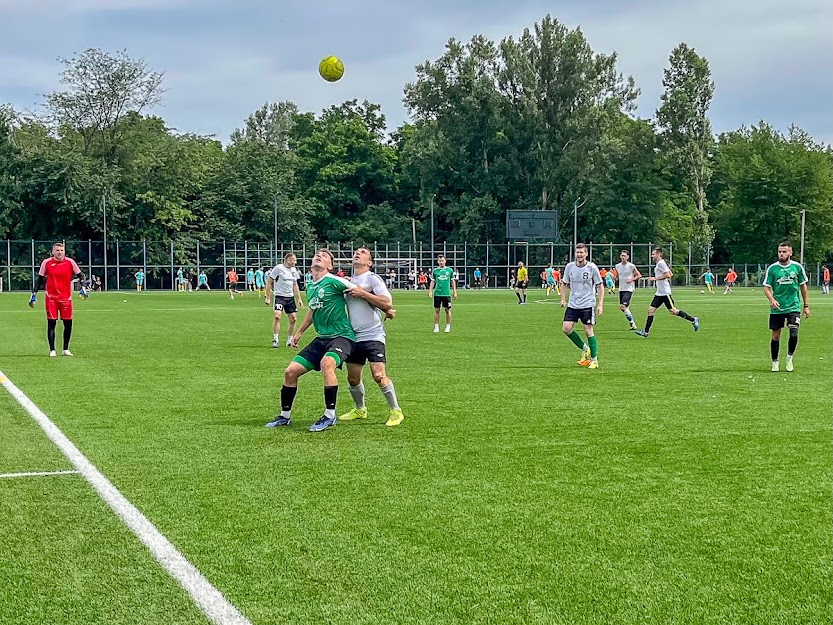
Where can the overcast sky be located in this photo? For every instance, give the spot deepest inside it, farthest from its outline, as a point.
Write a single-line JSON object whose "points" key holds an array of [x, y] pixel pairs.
{"points": [[770, 59]]}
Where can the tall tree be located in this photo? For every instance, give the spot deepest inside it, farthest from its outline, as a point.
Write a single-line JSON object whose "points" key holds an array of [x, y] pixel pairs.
{"points": [[687, 140]]}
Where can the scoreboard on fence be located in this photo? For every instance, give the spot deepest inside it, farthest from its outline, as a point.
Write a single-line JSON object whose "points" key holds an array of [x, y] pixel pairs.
{"points": [[532, 226]]}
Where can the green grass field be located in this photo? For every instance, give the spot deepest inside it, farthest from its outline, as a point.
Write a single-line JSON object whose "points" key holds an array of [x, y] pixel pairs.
{"points": [[682, 482]]}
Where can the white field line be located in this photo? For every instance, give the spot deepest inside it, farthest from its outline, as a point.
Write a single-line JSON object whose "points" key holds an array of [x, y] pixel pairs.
{"points": [[210, 600], [37, 474]]}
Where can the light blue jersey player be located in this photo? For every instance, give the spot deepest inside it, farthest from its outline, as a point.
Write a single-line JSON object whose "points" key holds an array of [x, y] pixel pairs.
{"points": [[260, 283], [610, 283], [140, 280], [250, 280]]}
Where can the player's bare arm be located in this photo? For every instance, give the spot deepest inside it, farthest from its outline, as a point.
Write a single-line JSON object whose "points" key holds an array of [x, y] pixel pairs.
{"points": [[299, 301], [804, 293], [773, 302], [306, 323], [600, 294], [270, 283], [564, 287], [431, 288], [454, 288]]}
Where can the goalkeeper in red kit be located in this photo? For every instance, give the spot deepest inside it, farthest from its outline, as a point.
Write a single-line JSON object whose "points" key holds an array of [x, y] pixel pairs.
{"points": [[57, 273]]}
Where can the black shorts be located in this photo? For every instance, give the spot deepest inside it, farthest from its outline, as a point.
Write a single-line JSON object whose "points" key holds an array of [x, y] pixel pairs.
{"points": [[625, 298], [368, 351], [587, 316], [777, 320], [521, 284], [285, 304], [662, 300], [315, 351], [442, 301], [232, 286]]}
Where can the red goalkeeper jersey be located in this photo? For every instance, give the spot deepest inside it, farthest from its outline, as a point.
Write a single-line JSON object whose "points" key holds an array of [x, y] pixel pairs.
{"points": [[59, 275]]}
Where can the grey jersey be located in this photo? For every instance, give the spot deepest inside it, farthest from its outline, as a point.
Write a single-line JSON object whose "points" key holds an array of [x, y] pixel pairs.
{"points": [[663, 286], [582, 282], [285, 279], [626, 271], [367, 320]]}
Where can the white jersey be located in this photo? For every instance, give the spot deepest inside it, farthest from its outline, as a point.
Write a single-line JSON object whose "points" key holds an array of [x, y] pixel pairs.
{"points": [[582, 282], [626, 271], [285, 280], [367, 320], [663, 286]]}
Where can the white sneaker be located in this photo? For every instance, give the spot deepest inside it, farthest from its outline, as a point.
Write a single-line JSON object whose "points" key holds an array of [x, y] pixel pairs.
{"points": [[66, 352], [448, 328], [436, 329], [289, 342], [276, 343], [52, 353], [775, 367], [789, 363]]}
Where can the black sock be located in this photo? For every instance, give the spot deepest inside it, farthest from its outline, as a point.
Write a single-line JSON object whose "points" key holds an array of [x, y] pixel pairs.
{"points": [[774, 346], [685, 315], [287, 397], [518, 293], [792, 343], [330, 396], [648, 322], [50, 333], [67, 332], [524, 296]]}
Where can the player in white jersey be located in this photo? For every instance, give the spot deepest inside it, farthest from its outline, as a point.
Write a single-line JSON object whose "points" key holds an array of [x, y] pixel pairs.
{"points": [[628, 275], [366, 318], [585, 283], [662, 276], [282, 280]]}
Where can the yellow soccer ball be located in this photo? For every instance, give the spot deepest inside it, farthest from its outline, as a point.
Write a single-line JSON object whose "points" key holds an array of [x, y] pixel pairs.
{"points": [[331, 68]]}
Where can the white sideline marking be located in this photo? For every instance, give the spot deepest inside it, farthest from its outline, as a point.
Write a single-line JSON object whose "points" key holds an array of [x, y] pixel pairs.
{"points": [[37, 474], [210, 600]]}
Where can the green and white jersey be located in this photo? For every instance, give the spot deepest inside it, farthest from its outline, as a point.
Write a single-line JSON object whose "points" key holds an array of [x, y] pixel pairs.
{"points": [[442, 277], [785, 280], [329, 310]]}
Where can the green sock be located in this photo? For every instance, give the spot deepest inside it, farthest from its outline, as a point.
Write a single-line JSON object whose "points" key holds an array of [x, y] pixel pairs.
{"points": [[576, 339], [594, 346]]}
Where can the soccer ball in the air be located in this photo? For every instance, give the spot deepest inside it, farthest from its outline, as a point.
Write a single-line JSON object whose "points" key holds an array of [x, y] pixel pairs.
{"points": [[701, 291], [331, 68]]}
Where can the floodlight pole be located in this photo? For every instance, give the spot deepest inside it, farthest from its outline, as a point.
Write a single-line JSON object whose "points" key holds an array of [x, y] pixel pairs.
{"points": [[275, 202], [576, 206], [104, 210], [803, 221]]}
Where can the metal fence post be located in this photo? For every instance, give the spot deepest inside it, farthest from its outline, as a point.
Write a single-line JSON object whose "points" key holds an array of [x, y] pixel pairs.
{"points": [[174, 286], [118, 269], [145, 259], [33, 263], [198, 262], [224, 265]]}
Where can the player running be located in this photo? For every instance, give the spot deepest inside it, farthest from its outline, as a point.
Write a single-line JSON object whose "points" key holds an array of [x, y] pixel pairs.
{"points": [[522, 282], [708, 278], [231, 276], [584, 281], [783, 282], [283, 282], [662, 297], [731, 277], [628, 275], [825, 281], [366, 319], [140, 280], [327, 351], [57, 273], [441, 288]]}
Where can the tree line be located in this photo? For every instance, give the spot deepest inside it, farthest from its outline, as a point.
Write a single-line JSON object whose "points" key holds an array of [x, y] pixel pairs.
{"points": [[534, 122]]}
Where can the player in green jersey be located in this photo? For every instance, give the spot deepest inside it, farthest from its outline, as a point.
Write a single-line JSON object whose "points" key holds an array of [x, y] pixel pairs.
{"points": [[783, 282], [327, 351], [442, 286]]}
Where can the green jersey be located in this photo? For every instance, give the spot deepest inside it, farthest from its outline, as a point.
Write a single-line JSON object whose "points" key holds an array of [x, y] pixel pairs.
{"points": [[329, 310], [442, 277], [785, 280]]}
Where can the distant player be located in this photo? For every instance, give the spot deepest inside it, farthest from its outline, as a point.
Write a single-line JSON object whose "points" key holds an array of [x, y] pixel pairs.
{"points": [[442, 289], [662, 297], [708, 278], [552, 285], [783, 282], [57, 273], [283, 282], [366, 318], [610, 283], [584, 281], [825, 280], [231, 277], [327, 351], [628, 275], [731, 277], [556, 275], [522, 283], [250, 279], [478, 278], [202, 281], [180, 279], [260, 282], [140, 280]]}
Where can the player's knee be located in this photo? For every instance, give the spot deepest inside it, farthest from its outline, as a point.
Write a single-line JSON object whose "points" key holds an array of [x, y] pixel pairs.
{"points": [[793, 332], [622, 307], [328, 363], [290, 375], [567, 328]]}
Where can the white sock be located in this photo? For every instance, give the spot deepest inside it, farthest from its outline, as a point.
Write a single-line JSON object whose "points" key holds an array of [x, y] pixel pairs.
{"points": [[390, 396], [277, 337], [357, 393], [436, 326], [286, 413], [330, 413], [448, 326], [585, 348]]}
